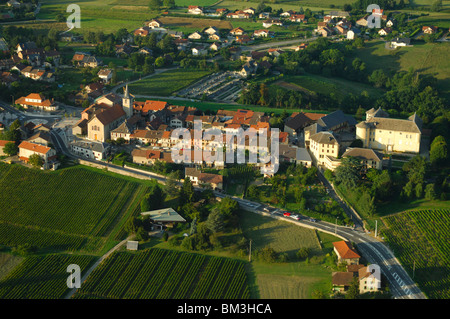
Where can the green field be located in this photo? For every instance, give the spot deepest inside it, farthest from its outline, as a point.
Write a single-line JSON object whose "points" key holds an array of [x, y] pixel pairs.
{"points": [[41, 277], [7, 263], [426, 58], [165, 274], [167, 83], [68, 210], [320, 84], [421, 240]]}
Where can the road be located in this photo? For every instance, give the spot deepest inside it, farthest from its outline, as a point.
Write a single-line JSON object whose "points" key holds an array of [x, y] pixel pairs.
{"points": [[373, 250]]}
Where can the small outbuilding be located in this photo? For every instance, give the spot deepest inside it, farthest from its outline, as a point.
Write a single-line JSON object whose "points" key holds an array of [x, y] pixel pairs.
{"points": [[163, 218]]}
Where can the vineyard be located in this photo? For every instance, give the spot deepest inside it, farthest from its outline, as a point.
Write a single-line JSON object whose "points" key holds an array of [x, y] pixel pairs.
{"points": [[165, 274], [423, 238], [41, 277], [65, 210]]}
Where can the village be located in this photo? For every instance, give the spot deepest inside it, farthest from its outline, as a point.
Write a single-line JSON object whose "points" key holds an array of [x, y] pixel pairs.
{"points": [[179, 100]]}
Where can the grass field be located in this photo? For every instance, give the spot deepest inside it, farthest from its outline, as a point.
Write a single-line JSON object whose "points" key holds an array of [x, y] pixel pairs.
{"points": [[167, 83], [294, 279], [420, 240], [41, 277], [77, 208], [427, 58], [165, 274], [188, 25]]}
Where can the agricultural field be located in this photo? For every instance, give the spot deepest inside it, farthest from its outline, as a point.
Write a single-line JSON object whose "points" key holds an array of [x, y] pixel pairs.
{"points": [[67, 210], [315, 83], [167, 83], [421, 240], [164, 274], [41, 277], [7, 263]]}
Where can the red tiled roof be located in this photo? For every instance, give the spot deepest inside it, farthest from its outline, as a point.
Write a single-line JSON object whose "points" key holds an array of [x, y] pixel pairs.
{"points": [[34, 147], [345, 250]]}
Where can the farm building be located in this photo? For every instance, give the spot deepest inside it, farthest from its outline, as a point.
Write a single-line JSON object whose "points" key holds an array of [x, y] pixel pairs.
{"points": [[163, 218]]}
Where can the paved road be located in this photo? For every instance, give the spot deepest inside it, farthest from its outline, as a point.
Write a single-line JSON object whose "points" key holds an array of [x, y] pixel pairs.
{"points": [[277, 44]]}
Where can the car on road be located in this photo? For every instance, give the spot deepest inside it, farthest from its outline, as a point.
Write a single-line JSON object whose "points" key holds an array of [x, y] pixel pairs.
{"points": [[295, 216], [286, 214], [313, 220]]}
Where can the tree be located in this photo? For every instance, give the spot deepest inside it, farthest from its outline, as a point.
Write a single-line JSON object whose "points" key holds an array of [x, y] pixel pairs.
{"points": [[430, 194], [215, 221], [154, 5], [348, 173], [10, 149], [169, 4], [36, 160], [353, 290], [171, 186], [436, 6], [186, 192], [438, 151], [303, 253], [159, 62]]}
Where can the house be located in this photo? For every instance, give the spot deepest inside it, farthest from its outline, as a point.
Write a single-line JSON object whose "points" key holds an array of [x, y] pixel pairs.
{"points": [[275, 52], [41, 138], [155, 23], [195, 10], [384, 31], [264, 15], [242, 39], [141, 32], [325, 32], [237, 31], [124, 131], [346, 253], [239, 14], [38, 101], [341, 281], [369, 278], [124, 49], [400, 42], [296, 123], [145, 157], [199, 50], [264, 33], [86, 60], [199, 178], [214, 36], [390, 23], [323, 144], [270, 22], [429, 30], [92, 150], [250, 11], [215, 46], [297, 18], [48, 154], [391, 135], [351, 35], [181, 44], [163, 218], [195, 36], [363, 21], [287, 14], [368, 157], [105, 75], [14, 4], [211, 30]]}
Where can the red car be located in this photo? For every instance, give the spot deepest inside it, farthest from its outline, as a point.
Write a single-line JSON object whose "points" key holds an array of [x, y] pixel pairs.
{"points": [[287, 214]]}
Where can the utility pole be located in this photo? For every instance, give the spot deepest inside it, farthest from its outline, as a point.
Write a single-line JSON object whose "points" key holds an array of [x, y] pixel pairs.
{"points": [[376, 228], [250, 252]]}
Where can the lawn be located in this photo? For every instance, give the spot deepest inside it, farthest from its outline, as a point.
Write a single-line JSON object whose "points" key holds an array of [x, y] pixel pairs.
{"points": [[427, 58], [167, 83], [294, 279]]}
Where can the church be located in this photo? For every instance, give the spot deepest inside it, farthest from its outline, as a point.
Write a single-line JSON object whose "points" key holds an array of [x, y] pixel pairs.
{"points": [[106, 114]]}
